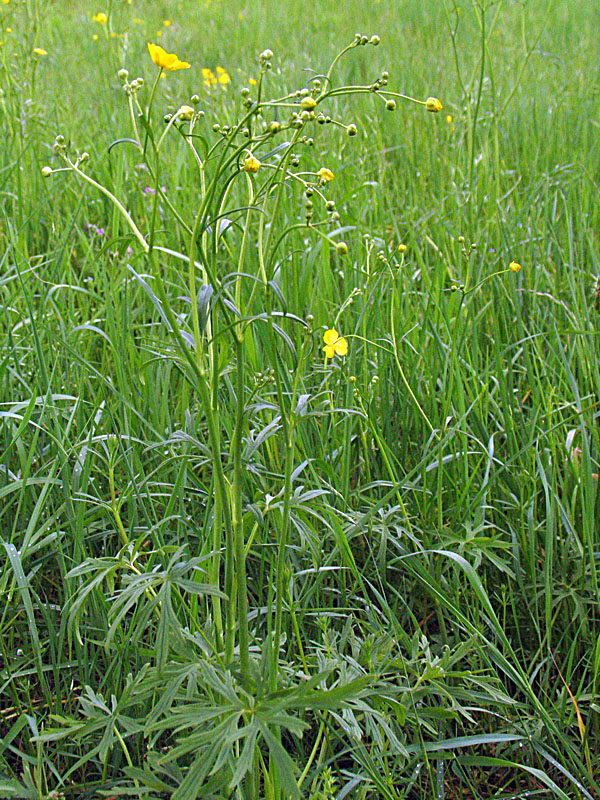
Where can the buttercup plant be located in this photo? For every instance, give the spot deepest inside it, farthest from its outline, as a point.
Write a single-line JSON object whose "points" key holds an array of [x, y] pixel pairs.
{"points": [[235, 254]]}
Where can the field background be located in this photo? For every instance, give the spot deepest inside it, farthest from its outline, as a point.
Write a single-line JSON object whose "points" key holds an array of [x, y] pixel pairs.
{"points": [[436, 548]]}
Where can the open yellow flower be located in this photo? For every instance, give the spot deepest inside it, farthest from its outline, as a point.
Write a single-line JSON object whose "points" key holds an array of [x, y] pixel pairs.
{"points": [[223, 78], [514, 266], [39, 51], [335, 345], [210, 79], [325, 174], [167, 61], [100, 17]]}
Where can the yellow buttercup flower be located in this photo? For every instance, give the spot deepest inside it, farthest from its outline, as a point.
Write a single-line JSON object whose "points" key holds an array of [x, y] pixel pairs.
{"points": [[433, 104], [39, 51], [514, 266], [251, 164], [210, 79], [324, 174], [167, 61], [167, 23], [335, 345], [449, 119], [100, 17]]}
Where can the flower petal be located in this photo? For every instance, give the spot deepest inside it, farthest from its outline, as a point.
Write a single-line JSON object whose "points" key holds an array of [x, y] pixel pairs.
{"points": [[341, 347]]}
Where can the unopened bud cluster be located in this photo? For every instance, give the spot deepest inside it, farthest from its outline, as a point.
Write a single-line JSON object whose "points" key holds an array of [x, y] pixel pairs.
{"points": [[265, 59], [130, 87], [360, 39], [60, 145]]}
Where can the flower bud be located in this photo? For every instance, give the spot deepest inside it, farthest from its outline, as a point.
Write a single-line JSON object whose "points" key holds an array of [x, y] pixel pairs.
{"points": [[308, 103], [433, 104], [514, 266], [185, 113], [341, 248], [251, 164], [46, 171], [123, 74], [402, 248], [374, 40], [274, 126], [390, 105], [195, 99], [352, 130]]}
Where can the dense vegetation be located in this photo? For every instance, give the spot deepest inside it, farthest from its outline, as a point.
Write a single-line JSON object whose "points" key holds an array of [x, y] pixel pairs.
{"points": [[299, 400]]}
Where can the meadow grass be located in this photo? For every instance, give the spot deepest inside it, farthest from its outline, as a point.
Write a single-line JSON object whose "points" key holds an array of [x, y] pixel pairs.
{"points": [[231, 566]]}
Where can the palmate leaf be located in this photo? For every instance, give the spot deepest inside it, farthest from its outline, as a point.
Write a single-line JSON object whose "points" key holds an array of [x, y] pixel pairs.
{"points": [[286, 768], [222, 731], [246, 757], [305, 697], [195, 783]]}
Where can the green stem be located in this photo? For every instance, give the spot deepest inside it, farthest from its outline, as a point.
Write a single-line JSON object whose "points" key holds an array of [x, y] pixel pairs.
{"points": [[115, 506], [478, 101], [136, 231], [237, 517]]}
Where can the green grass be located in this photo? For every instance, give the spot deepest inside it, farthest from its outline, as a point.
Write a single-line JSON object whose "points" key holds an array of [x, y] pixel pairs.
{"points": [[230, 567]]}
